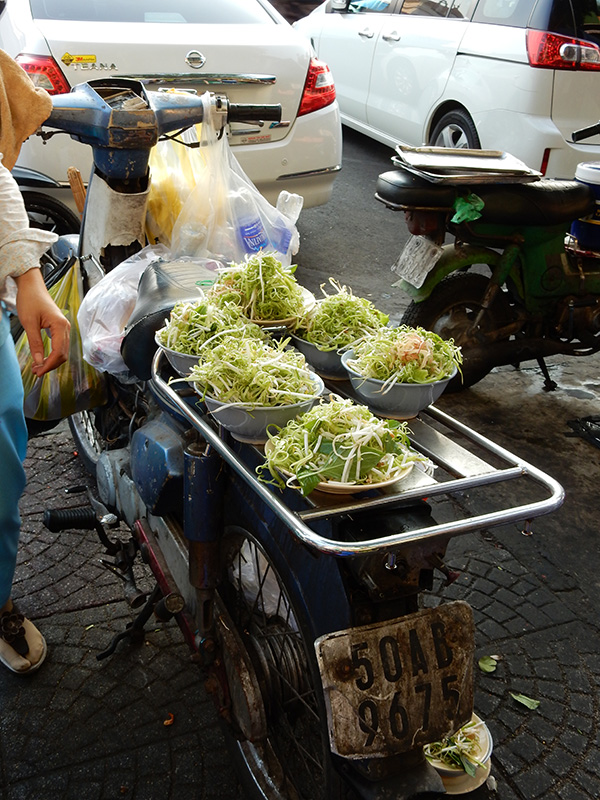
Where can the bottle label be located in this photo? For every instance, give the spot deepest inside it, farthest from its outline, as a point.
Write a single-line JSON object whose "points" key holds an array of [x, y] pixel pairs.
{"points": [[253, 235]]}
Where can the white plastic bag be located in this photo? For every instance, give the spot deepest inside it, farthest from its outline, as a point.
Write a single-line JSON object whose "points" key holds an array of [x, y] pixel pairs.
{"points": [[107, 306], [225, 217]]}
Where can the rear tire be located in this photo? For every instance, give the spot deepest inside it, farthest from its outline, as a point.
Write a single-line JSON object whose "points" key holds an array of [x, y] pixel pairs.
{"points": [[48, 214], [455, 129], [290, 760], [450, 310]]}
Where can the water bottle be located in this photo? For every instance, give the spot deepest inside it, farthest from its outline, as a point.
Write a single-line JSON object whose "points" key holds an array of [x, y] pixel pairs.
{"points": [[251, 232]]}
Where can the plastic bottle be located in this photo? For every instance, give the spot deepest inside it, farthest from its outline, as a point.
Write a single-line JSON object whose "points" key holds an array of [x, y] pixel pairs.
{"points": [[251, 232]]}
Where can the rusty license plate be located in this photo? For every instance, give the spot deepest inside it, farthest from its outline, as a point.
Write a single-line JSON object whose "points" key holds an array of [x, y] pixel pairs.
{"points": [[393, 686]]}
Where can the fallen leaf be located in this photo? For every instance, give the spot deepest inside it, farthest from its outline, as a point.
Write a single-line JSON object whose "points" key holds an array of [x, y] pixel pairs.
{"points": [[526, 701], [488, 663], [169, 720]]}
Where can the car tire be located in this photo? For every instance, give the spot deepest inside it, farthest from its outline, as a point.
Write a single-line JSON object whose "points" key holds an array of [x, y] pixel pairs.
{"points": [[48, 214], [455, 129]]}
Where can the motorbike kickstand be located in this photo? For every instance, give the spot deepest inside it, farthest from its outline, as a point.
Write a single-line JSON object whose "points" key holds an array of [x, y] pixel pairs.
{"points": [[134, 630], [549, 384]]}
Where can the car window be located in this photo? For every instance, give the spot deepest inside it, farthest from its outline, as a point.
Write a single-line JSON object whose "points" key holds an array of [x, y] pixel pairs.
{"points": [[459, 9], [157, 11], [577, 18], [515, 13], [356, 6]]}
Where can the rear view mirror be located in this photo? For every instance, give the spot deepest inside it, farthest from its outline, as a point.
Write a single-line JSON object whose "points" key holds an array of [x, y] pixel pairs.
{"points": [[340, 5]]}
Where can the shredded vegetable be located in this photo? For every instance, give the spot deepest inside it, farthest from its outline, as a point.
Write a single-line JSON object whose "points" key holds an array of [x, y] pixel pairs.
{"points": [[191, 325], [338, 440], [461, 750], [261, 287], [254, 373], [338, 320], [405, 355]]}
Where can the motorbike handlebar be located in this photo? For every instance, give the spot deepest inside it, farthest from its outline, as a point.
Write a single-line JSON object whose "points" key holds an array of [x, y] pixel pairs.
{"points": [[122, 114], [586, 133], [248, 112]]}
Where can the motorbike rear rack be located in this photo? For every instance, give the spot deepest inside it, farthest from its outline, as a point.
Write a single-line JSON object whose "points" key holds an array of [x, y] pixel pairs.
{"points": [[465, 461]]}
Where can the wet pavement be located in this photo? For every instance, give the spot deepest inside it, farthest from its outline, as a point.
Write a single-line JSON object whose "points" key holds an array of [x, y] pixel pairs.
{"points": [[88, 729]]}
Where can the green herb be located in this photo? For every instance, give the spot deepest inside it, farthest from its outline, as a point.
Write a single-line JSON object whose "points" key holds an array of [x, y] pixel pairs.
{"points": [[405, 355], [192, 324], [338, 440], [261, 287], [251, 372], [460, 749], [338, 320], [526, 701]]}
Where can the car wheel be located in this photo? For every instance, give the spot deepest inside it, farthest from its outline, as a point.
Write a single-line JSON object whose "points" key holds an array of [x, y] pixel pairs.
{"points": [[49, 214], [455, 129]]}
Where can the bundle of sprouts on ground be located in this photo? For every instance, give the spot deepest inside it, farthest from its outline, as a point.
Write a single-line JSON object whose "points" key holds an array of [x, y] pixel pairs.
{"points": [[338, 320], [253, 373], [405, 355], [339, 441], [192, 325], [261, 287]]}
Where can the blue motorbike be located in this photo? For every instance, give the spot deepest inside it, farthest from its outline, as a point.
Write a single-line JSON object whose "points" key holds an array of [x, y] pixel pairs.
{"points": [[304, 613]]}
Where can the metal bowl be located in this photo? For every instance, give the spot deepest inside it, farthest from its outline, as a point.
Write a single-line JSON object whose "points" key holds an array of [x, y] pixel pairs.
{"points": [[327, 363], [181, 362], [402, 401], [250, 424]]}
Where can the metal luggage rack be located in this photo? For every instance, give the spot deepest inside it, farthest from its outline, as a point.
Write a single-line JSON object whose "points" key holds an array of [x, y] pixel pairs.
{"points": [[465, 460]]}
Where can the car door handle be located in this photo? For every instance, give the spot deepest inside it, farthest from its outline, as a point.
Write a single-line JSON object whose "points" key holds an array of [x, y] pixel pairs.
{"points": [[366, 33], [394, 36]]}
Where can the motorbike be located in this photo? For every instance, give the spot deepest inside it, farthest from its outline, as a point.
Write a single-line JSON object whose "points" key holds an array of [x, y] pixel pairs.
{"points": [[303, 614], [519, 278]]}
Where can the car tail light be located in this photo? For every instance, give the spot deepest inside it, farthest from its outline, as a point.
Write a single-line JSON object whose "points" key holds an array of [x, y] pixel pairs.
{"points": [[319, 89], [44, 72], [552, 51]]}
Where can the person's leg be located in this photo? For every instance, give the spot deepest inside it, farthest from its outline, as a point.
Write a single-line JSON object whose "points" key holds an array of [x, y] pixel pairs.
{"points": [[17, 654]]}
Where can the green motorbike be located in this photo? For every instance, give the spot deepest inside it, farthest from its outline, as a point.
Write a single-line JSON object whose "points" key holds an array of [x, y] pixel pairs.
{"points": [[520, 279]]}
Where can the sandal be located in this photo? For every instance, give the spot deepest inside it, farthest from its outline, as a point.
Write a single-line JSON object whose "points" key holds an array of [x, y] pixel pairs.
{"points": [[22, 647]]}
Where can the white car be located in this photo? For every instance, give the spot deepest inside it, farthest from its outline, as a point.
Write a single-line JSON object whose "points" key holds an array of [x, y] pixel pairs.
{"points": [[242, 48], [514, 75]]}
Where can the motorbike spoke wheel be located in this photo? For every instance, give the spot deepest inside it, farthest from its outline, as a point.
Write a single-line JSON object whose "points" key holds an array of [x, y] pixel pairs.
{"points": [[88, 441], [287, 758], [450, 311]]}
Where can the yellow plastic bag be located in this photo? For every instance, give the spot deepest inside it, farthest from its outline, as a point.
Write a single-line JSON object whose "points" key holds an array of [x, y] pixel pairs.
{"points": [[75, 385], [174, 171]]}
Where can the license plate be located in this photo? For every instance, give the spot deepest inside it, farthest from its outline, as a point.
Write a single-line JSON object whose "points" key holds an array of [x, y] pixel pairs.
{"points": [[416, 260], [393, 686]]}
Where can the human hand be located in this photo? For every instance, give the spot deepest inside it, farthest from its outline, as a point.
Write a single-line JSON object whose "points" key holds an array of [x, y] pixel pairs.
{"points": [[38, 311]]}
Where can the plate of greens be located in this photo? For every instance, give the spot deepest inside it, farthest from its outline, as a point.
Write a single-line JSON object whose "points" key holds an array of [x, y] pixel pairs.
{"points": [[339, 447]]}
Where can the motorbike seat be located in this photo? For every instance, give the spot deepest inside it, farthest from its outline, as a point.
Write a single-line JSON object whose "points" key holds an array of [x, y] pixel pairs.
{"points": [[540, 203], [162, 285]]}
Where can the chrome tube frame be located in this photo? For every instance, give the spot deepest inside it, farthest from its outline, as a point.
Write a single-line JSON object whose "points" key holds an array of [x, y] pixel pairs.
{"points": [[296, 522]]}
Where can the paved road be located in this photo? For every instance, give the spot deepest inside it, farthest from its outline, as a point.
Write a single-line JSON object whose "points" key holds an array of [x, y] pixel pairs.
{"points": [[91, 730]]}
